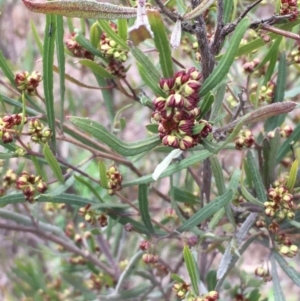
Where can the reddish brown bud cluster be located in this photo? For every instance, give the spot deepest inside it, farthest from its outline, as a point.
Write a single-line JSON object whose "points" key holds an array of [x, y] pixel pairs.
{"points": [[285, 132], [240, 297], [8, 180], [76, 49], [150, 258], [77, 260], [114, 178], [116, 69], [145, 245], [91, 216], [280, 203], [210, 296], [38, 132], [250, 66], [28, 82], [30, 185], [181, 289], [177, 114], [289, 7], [244, 139], [266, 92], [263, 273], [95, 282], [285, 246], [110, 48], [6, 125]]}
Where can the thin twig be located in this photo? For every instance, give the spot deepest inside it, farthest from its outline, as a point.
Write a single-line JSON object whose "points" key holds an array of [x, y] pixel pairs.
{"points": [[174, 17], [67, 246], [219, 27], [281, 32]]}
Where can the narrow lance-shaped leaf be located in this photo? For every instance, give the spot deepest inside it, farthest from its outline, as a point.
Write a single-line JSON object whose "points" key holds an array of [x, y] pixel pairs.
{"points": [[112, 34], [176, 167], [278, 293], [149, 80], [292, 176], [206, 212], [48, 59], [161, 43], [52, 162], [82, 9], [97, 69], [89, 45], [102, 174], [61, 64], [191, 268], [121, 147], [144, 208], [225, 63], [289, 270], [276, 121]]}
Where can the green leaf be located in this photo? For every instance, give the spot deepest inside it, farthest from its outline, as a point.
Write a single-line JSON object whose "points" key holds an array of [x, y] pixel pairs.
{"points": [[217, 103], [161, 42], [110, 33], [96, 68], [152, 128], [144, 208], [206, 104], [61, 64], [103, 135], [53, 164], [6, 70], [4, 156], [176, 167], [95, 34], [259, 42], [177, 278], [102, 174], [278, 293], [184, 196], [107, 97], [137, 226], [271, 57], [276, 121], [211, 280], [36, 37], [191, 268], [292, 176], [218, 174], [86, 183], [206, 212], [86, 44], [225, 63], [228, 9], [144, 60], [289, 270], [64, 198], [271, 52], [256, 177], [48, 59], [150, 81], [122, 29]]}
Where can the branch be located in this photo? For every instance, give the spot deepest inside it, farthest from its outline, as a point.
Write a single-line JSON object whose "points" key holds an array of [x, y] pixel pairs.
{"points": [[174, 17], [219, 27], [67, 246], [218, 42], [207, 59]]}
